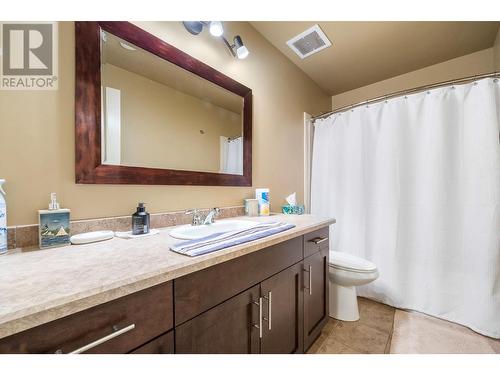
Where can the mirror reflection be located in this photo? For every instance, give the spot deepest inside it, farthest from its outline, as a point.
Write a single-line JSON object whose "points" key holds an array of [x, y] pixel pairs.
{"points": [[158, 115]]}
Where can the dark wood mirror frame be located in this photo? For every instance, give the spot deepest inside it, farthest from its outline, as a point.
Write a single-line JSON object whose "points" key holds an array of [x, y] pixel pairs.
{"points": [[89, 169]]}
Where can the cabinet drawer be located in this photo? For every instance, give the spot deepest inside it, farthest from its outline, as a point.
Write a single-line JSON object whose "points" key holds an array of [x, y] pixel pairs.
{"points": [[316, 241], [199, 291], [161, 345], [118, 326]]}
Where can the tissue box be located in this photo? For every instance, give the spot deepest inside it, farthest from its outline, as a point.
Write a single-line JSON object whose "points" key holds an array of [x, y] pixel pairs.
{"points": [[293, 210]]}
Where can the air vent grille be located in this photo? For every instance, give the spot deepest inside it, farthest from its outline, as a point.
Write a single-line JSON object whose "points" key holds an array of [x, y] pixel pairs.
{"points": [[309, 42]]}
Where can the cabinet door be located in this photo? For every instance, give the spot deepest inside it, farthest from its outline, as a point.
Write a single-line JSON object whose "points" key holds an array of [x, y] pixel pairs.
{"points": [[283, 312], [228, 328], [315, 295]]}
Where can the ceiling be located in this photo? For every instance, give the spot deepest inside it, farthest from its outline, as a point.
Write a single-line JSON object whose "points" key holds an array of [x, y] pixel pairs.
{"points": [[367, 52], [154, 68]]}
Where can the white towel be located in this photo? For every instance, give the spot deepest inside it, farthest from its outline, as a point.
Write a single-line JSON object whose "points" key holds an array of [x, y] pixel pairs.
{"points": [[218, 241]]}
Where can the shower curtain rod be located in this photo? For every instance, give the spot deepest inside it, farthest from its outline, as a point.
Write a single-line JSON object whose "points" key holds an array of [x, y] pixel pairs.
{"points": [[409, 91]]}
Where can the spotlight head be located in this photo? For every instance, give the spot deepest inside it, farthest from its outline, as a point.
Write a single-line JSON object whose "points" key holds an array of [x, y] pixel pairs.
{"points": [[216, 28], [241, 50], [194, 27]]}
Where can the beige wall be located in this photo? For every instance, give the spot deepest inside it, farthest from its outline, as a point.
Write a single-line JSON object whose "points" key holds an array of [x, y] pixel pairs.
{"points": [[468, 65], [37, 133], [496, 49], [160, 126]]}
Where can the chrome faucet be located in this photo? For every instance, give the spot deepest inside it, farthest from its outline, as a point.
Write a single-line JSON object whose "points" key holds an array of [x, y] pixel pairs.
{"points": [[210, 218], [200, 219]]}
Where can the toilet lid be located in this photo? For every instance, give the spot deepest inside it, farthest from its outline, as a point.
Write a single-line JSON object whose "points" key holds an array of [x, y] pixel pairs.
{"points": [[351, 262]]}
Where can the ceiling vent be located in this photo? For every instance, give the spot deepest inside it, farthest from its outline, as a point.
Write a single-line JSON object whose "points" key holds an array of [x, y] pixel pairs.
{"points": [[309, 42]]}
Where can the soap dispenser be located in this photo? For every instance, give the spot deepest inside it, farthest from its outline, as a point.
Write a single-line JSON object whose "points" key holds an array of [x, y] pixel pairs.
{"points": [[54, 225], [140, 220]]}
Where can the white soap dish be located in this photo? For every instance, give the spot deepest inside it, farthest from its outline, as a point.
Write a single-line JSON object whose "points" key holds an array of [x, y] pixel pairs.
{"points": [[89, 237], [129, 234]]}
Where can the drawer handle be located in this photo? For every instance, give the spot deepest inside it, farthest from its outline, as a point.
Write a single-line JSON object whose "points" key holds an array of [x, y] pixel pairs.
{"points": [[309, 271], [269, 318], [318, 240], [259, 326], [103, 339]]}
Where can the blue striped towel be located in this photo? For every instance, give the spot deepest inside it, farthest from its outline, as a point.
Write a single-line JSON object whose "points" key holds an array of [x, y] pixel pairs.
{"points": [[218, 241]]}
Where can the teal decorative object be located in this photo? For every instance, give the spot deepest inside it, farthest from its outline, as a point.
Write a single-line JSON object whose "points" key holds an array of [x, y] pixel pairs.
{"points": [[293, 209]]}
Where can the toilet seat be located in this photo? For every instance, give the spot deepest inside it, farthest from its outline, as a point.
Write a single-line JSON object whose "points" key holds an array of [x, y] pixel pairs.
{"points": [[350, 262]]}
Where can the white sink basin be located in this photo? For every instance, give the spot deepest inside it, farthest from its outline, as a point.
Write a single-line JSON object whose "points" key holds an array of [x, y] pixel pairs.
{"points": [[190, 232]]}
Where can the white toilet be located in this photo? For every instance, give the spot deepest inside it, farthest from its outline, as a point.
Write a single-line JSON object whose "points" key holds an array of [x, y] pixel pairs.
{"points": [[346, 272]]}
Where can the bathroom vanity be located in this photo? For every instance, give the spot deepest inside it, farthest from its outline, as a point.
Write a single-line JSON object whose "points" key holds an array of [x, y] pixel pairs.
{"points": [[136, 296]]}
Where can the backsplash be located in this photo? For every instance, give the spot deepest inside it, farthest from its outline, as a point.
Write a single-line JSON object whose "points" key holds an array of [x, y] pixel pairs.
{"points": [[26, 236]]}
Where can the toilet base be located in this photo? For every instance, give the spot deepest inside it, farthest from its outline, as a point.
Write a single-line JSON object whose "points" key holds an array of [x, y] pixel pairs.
{"points": [[343, 302]]}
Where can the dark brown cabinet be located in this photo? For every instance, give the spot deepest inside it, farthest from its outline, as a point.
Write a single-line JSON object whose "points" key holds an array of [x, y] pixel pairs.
{"points": [[227, 328], [282, 299], [114, 327], [274, 300], [315, 280], [199, 291], [266, 318], [160, 345]]}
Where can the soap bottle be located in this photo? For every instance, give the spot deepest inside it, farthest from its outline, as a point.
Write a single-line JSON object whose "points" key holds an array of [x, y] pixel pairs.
{"points": [[140, 220], [3, 220], [54, 225]]}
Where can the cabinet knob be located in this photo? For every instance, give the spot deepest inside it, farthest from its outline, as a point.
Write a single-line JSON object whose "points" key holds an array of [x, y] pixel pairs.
{"points": [[93, 344], [269, 318], [319, 240], [309, 271], [259, 326]]}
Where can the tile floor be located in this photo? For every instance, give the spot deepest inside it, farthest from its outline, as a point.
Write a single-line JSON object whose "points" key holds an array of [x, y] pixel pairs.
{"points": [[384, 329]]}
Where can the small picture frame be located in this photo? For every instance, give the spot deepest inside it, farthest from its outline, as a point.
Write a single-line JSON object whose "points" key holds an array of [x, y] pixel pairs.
{"points": [[54, 228]]}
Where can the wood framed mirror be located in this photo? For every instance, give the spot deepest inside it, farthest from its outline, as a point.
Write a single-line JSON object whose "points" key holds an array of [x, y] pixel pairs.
{"points": [[126, 81]]}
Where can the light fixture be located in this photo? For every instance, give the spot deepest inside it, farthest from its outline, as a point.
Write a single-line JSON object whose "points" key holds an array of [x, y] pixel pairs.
{"points": [[216, 28], [238, 48], [196, 27]]}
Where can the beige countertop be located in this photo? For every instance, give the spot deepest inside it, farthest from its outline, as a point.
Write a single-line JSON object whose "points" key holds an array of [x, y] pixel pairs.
{"points": [[40, 286]]}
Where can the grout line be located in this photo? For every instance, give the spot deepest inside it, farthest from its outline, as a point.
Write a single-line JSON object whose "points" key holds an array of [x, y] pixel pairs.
{"points": [[389, 341]]}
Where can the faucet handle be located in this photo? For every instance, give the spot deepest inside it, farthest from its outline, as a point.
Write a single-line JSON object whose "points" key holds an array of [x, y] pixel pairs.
{"points": [[197, 219]]}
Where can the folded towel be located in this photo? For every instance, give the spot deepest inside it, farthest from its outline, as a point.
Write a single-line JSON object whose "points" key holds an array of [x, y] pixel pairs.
{"points": [[218, 241]]}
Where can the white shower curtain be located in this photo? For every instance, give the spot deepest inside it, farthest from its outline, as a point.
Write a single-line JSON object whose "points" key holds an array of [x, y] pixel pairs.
{"points": [[231, 155], [414, 184]]}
